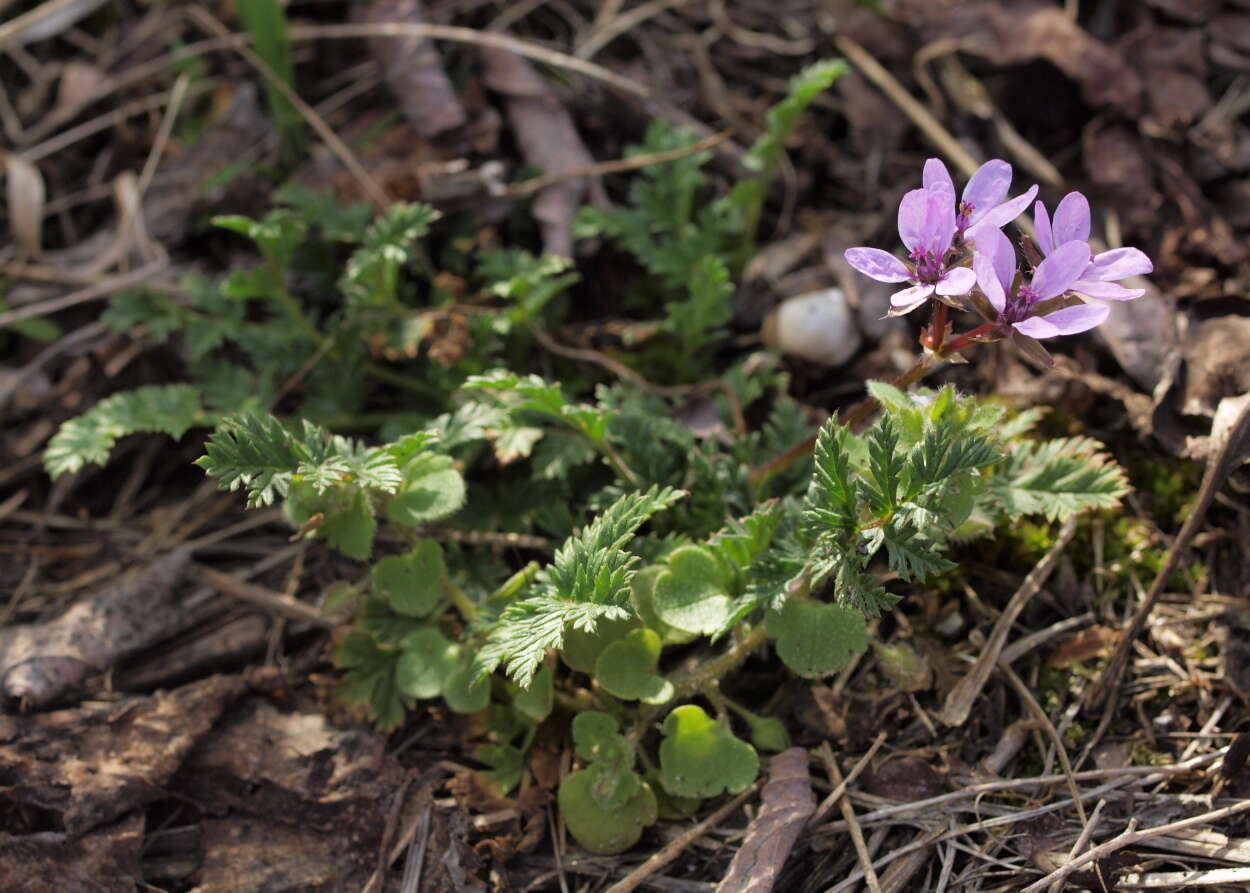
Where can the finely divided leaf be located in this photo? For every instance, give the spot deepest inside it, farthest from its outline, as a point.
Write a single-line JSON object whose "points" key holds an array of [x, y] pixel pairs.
{"points": [[168, 409], [1057, 478]]}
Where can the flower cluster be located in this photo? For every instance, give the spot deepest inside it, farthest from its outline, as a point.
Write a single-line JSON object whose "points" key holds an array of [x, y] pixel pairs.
{"points": [[958, 254]]}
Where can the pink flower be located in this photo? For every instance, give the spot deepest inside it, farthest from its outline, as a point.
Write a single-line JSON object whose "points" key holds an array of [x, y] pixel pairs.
{"points": [[926, 224], [984, 201], [1098, 280], [1027, 306]]}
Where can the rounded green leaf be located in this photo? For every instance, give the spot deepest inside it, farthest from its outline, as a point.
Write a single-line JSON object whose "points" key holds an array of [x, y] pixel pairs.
{"points": [[427, 660], [596, 735], [691, 594], [535, 702], [769, 733], [580, 649], [700, 757], [348, 524], [670, 805], [815, 638], [627, 669], [411, 582], [432, 489], [603, 831], [465, 691], [642, 594]]}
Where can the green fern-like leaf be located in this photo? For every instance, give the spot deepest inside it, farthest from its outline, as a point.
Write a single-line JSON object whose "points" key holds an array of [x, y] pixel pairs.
{"points": [[886, 467], [529, 393], [833, 495], [1057, 478], [911, 555], [372, 274], [528, 628], [166, 409], [589, 580], [592, 565], [747, 198], [697, 319]]}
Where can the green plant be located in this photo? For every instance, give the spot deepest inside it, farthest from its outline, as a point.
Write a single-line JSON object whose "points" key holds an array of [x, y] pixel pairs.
{"points": [[689, 242], [337, 302], [637, 603]]}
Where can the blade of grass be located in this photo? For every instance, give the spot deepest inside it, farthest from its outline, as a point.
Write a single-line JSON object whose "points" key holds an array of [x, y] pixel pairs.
{"points": [[265, 23]]}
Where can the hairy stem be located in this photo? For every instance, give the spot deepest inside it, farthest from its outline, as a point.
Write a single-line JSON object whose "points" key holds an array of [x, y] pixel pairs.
{"points": [[712, 670], [460, 599]]}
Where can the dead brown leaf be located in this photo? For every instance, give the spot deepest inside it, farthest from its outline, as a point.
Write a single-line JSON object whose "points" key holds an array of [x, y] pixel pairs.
{"points": [[92, 764], [413, 69], [1018, 33], [788, 803], [905, 779], [548, 139], [1216, 362], [1087, 644], [245, 854], [292, 766], [24, 197]]}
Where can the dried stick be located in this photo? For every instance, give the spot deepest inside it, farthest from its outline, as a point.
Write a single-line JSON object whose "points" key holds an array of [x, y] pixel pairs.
{"points": [[919, 115], [827, 755], [959, 701], [468, 35], [1151, 775], [788, 801], [1083, 840], [271, 601], [857, 833], [1130, 836], [616, 166]]}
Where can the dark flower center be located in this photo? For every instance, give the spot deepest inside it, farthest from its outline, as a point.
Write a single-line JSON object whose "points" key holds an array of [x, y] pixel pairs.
{"points": [[928, 265], [1018, 304]]}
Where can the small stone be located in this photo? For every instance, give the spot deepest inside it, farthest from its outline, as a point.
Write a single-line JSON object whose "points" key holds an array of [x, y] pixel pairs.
{"points": [[818, 326]]}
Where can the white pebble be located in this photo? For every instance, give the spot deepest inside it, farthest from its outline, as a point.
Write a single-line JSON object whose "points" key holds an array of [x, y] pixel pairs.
{"points": [[818, 326]]}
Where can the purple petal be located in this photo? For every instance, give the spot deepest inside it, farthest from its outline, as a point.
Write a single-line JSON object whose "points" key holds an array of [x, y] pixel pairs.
{"points": [[1072, 219], [880, 265], [994, 263], [987, 187], [926, 221], [987, 278], [958, 281], [1041, 223], [1119, 263], [1009, 210], [1056, 273], [1068, 321], [1106, 291], [936, 175], [909, 299]]}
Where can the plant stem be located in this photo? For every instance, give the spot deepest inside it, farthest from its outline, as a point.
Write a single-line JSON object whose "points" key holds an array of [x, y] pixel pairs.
{"points": [[290, 307], [513, 586], [617, 463], [460, 599], [712, 670]]}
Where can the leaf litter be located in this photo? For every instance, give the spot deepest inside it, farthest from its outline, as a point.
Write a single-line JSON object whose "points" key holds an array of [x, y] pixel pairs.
{"points": [[276, 792]]}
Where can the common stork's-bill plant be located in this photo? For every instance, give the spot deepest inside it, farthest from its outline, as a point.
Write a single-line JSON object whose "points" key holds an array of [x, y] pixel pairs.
{"points": [[680, 545]]}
